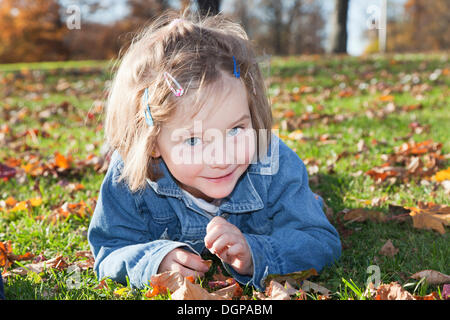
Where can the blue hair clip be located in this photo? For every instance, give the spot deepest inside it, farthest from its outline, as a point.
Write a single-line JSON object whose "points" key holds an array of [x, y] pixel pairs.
{"points": [[147, 113], [236, 70]]}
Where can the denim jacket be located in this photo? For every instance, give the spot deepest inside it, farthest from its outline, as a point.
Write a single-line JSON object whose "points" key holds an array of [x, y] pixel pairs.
{"points": [[272, 204]]}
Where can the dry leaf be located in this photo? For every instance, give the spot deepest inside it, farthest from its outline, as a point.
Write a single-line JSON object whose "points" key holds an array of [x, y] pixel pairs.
{"points": [[230, 292], [432, 277], [361, 214], [180, 287], [388, 249], [295, 277], [275, 291], [392, 291], [7, 257], [171, 280], [309, 286], [430, 216], [55, 263], [192, 291]]}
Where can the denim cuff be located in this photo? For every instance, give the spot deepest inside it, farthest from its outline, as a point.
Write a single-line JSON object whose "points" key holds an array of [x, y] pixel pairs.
{"points": [[149, 263], [259, 247]]}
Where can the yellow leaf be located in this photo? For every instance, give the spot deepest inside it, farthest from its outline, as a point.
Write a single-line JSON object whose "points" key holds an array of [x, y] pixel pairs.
{"points": [[35, 201], [387, 98], [442, 175], [22, 205], [122, 291]]}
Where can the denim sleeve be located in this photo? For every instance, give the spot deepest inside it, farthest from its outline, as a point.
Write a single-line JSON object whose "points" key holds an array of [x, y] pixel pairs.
{"points": [[301, 236], [2, 294], [119, 237]]}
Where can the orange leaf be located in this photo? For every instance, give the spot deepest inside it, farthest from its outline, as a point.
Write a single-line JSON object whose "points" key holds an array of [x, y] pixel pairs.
{"points": [[392, 291], [387, 98], [61, 161], [442, 175]]}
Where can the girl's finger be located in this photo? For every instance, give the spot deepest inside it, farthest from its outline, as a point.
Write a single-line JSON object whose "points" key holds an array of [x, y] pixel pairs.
{"points": [[236, 249], [223, 242], [190, 260], [185, 272], [214, 222]]}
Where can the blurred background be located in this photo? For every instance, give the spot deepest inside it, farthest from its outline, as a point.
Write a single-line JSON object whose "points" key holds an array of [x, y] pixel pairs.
{"points": [[57, 30]]}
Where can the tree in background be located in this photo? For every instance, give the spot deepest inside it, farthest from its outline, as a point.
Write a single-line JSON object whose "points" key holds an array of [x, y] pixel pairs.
{"points": [[338, 36], [285, 27], [31, 30], [208, 6], [423, 28]]}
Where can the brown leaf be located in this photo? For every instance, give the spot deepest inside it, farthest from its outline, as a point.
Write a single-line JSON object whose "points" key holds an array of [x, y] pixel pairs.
{"points": [[230, 292], [192, 291], [430, 216], [432, 277], [294, 277], [388, 249], [7, 257], [309, 286], [392, 291], [171, 280], [275, 291], [181, 288], [361, 214], [55, 263]]}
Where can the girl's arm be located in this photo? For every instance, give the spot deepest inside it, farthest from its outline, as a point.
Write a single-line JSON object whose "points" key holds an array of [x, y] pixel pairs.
{"points": [[119, 237], [301, 236]]}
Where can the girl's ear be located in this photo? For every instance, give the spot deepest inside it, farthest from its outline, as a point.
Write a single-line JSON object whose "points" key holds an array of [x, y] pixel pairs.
{"points": [[155, 152]]}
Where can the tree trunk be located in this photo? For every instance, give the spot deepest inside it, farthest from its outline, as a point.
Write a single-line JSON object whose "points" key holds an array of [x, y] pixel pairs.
{"points": [[211, 6], [338, 41]]}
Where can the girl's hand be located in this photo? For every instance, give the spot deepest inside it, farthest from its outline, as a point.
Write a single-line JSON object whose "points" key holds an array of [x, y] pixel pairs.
{"points": [[185, 262], [227, 242]]}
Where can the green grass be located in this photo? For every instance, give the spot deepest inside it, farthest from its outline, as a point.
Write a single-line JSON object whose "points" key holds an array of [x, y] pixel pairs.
{"points": [[33, 87]]}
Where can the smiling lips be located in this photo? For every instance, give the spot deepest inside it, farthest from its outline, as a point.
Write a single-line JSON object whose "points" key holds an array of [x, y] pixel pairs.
{"points": [[219, 179]]}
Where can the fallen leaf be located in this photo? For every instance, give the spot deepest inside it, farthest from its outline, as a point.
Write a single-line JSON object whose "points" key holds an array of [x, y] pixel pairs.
{"points": [[430, 216], [442, 175], [361, 214], [295, 277], [55, 263], [230, 292], [392, 291], [180, 287], [388, 249], [275, 291], [121, 292], [446, 292], [431, 296], [309, 286], [7, 257], [192, 291], [432, 277]]}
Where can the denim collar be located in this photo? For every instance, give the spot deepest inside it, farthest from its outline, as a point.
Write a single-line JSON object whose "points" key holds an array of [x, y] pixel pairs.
{"points": [[244, 197]]}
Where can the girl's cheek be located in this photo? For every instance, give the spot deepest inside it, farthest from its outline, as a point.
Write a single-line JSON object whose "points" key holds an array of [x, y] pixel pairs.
{"points": [[244, 148]]}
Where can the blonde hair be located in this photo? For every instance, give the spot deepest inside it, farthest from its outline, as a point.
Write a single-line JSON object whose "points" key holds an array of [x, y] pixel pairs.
{"points": [[193, 50]]}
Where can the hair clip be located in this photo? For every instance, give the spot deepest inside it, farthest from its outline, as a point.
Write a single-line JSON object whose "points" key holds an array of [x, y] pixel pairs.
{"points": [[177, 92], [147, 113], [237, 73]]}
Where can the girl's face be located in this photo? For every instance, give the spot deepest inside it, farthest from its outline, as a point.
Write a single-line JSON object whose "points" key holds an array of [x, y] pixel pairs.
{"points": [[207, 153]]}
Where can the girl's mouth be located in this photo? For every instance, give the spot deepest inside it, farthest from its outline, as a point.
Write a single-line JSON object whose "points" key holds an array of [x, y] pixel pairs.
{"points": [[222, 178]]}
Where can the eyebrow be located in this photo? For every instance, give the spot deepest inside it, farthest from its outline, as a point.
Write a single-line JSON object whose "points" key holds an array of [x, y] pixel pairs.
{"points": [[243, 117]]}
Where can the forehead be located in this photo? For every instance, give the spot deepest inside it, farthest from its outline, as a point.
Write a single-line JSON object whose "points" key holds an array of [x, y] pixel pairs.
{"points": [[215, 103]]}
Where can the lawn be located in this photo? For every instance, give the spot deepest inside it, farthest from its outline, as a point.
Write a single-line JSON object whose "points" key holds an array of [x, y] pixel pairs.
{"points": [[343, 116]]}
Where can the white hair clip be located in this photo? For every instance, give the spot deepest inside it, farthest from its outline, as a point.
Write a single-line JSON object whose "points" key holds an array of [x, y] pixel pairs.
{"points": [[178, 92]]}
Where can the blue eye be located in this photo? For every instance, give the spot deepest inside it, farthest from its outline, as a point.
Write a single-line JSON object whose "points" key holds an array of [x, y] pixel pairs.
{"points": [[235, 131], [192, 141]]}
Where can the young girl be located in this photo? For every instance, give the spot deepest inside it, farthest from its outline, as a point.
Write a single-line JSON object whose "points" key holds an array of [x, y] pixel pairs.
{"points": [[195, 165]]}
